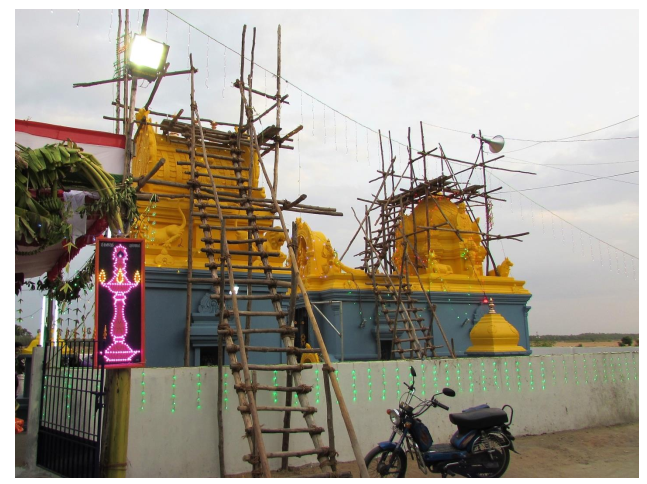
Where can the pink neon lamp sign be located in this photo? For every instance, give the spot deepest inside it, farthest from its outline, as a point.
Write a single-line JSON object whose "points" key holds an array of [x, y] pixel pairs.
{"points": [[119, 351]]}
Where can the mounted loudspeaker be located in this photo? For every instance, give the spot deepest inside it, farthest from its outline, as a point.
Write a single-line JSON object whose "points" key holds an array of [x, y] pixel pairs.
{"points": [[495, 144]]}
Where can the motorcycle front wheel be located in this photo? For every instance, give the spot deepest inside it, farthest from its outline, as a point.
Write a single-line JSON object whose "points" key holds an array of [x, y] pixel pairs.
{"points": [[386, 463]]}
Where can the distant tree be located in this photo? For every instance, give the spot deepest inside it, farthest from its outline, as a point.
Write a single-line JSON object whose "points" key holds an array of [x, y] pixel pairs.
{"points": [[23, 336], [626, 341]]}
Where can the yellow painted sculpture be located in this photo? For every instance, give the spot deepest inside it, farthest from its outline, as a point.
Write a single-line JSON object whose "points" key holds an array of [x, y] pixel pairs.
{"points": [[442, 252], [493, 334], [309, 357], [319, 264], [29, 349], [165, 225], [445, 263]]}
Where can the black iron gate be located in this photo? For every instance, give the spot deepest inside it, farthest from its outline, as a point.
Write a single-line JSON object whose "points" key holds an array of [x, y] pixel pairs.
{"points": [[69, 432]]}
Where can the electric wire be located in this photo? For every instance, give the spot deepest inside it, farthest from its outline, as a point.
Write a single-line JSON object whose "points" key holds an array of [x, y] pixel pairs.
{"points": [[569, 164], [557, 140], [284, 79], [563, 219], [571, 183], [503, 160]]}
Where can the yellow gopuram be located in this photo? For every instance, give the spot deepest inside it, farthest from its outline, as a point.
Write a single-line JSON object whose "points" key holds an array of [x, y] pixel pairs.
{"points": [[164, 223], [445, 262]]}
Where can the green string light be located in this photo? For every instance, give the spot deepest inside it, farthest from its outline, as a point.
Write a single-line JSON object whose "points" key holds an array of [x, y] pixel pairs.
{"points": [[67, 384], [370, 385], [447, 379], [605, 379], [317, 387], [595, 370], [173, 394], [483, 376], [458, 378], [199, 391], [532, 378], [627, 367], [565, 371], [397, 380], [354, 385], [383, 383], [586, 373], [225, 392], [543, 376], [518, 375], [44, 395], [424, 379], [275, 394], [143, 387], [471, 377], [554, 374], [495, 373], [577, 381]]}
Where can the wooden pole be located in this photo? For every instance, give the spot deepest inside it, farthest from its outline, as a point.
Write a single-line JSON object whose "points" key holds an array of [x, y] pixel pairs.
{"points": [[126, 99], [285, 445], [250, 173], [115, 461], [118, 97], [221, 358], [278, 109], [329, 421], [189, 269]]}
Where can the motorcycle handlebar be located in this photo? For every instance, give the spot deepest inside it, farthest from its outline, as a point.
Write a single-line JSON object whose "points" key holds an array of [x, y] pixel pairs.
{"points": [[444, 407]]}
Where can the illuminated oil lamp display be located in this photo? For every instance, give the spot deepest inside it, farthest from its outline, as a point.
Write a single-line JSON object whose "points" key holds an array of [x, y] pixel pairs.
{"points": [[119, 351]]}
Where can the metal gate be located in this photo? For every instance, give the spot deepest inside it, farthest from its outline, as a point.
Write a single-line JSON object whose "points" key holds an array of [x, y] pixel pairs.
{"points": [[71, 412]]}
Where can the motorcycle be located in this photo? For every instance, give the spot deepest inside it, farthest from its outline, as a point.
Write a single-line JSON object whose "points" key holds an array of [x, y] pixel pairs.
{"points": [[479, 448]]}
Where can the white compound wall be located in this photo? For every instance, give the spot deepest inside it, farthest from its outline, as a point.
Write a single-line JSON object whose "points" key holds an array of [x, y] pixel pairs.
{"points": [[173, 430]]}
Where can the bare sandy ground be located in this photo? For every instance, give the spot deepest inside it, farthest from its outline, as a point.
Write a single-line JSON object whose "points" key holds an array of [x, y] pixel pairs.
{"points": [[589, 344], [606, 452]]}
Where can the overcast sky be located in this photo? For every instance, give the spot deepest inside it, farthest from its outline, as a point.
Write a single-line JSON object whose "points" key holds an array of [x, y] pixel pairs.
{"points": [[526, 75]]}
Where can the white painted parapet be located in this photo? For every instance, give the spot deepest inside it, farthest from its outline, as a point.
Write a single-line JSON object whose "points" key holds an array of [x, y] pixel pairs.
{"points": [[173, 429]]}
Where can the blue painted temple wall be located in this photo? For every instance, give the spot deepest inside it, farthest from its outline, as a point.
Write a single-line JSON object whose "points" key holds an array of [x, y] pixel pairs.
{"points": [[353, 316]]}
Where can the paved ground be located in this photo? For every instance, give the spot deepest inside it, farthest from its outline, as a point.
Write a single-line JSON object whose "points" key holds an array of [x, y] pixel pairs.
{"points": [[607, 452]]}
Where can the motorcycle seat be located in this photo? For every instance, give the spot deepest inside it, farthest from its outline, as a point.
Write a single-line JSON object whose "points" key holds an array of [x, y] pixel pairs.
{"points": [[478, 419]]}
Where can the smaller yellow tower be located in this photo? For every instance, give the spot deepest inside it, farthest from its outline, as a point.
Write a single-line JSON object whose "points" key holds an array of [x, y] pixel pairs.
{"points": [[493, 334]]}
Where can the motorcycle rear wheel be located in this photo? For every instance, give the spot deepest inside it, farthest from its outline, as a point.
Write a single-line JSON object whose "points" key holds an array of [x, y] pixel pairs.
{"points": [[481, 457], [377, 463]]}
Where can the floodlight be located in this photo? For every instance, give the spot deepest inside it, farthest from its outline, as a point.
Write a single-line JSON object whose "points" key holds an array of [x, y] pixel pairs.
{"points": [[146, 57]]}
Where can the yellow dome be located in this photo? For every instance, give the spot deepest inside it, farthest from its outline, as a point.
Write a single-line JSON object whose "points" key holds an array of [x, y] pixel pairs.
{"points": [[493, 334]]}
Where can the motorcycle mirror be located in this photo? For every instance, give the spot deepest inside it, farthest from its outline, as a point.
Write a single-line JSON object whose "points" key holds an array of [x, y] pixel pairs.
{"points": [[449, 392], [413, 372]]}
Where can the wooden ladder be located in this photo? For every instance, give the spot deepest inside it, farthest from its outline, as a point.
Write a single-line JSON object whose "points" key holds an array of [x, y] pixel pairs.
{"points": [[215, 201]]}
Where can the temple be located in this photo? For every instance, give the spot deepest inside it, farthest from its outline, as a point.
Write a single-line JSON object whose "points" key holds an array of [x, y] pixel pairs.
{"points": [[440, 267]]}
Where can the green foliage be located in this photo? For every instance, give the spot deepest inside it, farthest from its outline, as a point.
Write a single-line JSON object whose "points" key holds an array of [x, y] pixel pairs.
{"points": [[626, 341], [40, 216], [66, 291], [23, 336], [541, 343], [581, 338]]}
